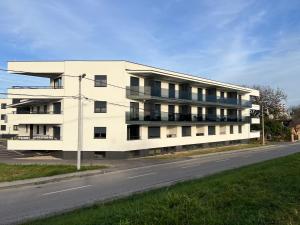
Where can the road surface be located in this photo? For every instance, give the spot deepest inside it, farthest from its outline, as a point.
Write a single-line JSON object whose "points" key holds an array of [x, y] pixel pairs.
{"points": [[20, 204]]}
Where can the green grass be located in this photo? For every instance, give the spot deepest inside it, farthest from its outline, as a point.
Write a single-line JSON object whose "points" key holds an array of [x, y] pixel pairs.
{"points": [[20, 172], [261, 194], [203, 151]]}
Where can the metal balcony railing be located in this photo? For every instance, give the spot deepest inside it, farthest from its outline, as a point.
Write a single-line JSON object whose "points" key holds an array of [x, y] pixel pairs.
{"points": [[179, 117], [146, 92]]}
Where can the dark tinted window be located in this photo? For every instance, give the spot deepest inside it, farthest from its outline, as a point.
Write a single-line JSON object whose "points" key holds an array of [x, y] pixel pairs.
{"points": [[211, 130], [99, 132], [100, 80], [153, 132], [240, 129], [3, 127], [3, 106], [186, 131], [3, 116], [231, 129], [100, 107]]}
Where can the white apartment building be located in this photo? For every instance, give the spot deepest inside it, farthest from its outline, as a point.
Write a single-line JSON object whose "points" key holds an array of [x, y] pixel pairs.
{"points": [[6, 129], [127, 109]]}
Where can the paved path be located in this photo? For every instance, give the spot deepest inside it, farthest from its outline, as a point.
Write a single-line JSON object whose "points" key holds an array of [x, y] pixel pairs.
{"points": [[23, 203]]}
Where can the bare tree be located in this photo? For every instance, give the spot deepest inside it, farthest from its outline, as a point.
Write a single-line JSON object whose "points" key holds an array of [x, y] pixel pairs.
{"points": [[273, 101]]}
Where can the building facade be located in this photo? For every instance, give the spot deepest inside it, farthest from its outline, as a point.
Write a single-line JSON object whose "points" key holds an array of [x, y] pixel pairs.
{"points": [[7, 130], [127, 109]]}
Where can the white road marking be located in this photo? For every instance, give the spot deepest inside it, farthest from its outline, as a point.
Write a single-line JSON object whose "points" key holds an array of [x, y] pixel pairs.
{"points": [[221, 160], [69, 189], [189, 166], [142, 175]]}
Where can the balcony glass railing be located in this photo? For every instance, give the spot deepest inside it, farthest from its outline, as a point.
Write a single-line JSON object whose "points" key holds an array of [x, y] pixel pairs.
{"points": [[36, 112], [37, 137], [37, 87], [179, 117], [147, 93]]}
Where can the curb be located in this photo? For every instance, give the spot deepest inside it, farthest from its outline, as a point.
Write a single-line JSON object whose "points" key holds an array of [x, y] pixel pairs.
{"points": [[44, 180]]}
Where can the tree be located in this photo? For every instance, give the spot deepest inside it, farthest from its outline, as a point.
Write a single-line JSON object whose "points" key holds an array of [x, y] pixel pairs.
{"points": [[273, 102]]}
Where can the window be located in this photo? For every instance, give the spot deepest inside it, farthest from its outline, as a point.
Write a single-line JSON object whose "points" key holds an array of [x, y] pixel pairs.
{"points": [[231, 129], [153, 132], [3, 127], [171, 131], [222, 129], [200, 96], [100, 132], [211, 130], [199, 130], [45, 130], [186, 131], [100, 107], [15, 127], [100, 81], [171, 90], [26, 128], [3, 106], [37, 129], [3, 116], [240, 129], [222, 94]]}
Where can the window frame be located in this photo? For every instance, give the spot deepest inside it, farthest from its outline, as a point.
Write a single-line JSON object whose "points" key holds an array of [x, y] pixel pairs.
{"points": [[3, 117], [189, 134], [231, 129], [100, 83], [3, 105], [240, 129], [1, 127], [100, 137], [211, 134], [101, 108], [154, 137]]}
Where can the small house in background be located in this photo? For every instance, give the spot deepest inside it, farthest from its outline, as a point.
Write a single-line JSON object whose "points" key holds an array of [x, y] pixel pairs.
{"points": [[295, 130]]}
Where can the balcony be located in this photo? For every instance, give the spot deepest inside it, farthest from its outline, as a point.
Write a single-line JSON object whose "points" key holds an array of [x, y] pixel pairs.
{"points": [[38, 143], [175, 118], [37, 137], [36, 91], [36, 118], [147, 93]]}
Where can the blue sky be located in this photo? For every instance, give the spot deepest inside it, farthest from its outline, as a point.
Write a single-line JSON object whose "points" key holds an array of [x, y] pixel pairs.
{"points": [[242, 42]]}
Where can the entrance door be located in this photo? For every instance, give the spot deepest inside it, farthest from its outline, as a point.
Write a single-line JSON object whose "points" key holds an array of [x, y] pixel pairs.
{"points": [[56, 133]]}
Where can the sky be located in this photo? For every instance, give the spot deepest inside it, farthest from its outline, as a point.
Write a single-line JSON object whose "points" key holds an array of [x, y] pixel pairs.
{"points": [[243, 42]]}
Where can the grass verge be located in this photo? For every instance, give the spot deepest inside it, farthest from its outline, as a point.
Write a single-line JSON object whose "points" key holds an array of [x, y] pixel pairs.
{"points": [[203, 151], [261, 194], [20, 172]]}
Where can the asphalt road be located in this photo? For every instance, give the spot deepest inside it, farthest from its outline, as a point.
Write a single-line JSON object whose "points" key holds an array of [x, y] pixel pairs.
{"points": [[20, 204]]}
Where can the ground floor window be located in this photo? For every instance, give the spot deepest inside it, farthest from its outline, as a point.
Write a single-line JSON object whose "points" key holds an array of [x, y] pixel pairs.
{"points": [[3, 127], [199, 130], [171, 131], [211, 130], [186, 131], [231, 129], [15, 127], [240, 129], [99, 132], [133, 132], [222, 130], [153, 132]]}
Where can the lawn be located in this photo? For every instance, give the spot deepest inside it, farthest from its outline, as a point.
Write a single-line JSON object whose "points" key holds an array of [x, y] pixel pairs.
{"points": [[261, 194], [20, 172], [203, 151]]}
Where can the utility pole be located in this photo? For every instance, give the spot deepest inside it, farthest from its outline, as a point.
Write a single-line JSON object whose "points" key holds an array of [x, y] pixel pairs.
{"points": [[262, 125], [79, 124]]}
